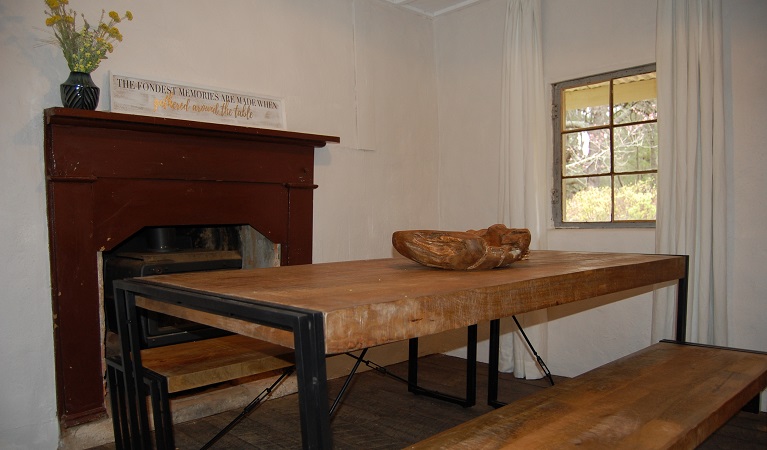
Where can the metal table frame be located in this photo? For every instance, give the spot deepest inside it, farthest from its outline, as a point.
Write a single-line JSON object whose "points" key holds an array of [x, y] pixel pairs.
{"points": [[308, 331], [495, 336], [306, 326]]}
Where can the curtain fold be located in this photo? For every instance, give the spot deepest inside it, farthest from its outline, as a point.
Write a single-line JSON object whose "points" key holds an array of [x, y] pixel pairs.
{"points": [[522, 177], [692, 170]]}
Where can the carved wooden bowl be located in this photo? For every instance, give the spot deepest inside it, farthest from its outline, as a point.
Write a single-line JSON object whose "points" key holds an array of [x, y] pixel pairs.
{"points": [[496, 246]]}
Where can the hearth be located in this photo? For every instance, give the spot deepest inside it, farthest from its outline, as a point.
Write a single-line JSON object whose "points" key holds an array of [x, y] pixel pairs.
{"points": [[110, 176]]}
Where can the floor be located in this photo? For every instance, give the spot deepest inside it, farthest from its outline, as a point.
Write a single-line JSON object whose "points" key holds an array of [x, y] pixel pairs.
{"points": [[379, 413]]}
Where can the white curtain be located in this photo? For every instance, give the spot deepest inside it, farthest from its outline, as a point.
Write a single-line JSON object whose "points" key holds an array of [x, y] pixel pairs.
{"points": [[692, 170], [523, 174]]}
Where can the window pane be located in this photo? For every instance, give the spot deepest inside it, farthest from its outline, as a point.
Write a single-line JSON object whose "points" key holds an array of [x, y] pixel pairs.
{"points": [[587, 199], [586, 153], [635, 197], [635, 98], [586, 106], [636, 147], [606, 149]]}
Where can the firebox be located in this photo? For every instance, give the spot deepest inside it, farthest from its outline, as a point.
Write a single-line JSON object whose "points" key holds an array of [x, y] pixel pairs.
{"points": [[159, 250]]}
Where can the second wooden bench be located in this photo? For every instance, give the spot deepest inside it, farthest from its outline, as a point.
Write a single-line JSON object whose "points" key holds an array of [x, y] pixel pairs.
{"points": [[668, 395]]}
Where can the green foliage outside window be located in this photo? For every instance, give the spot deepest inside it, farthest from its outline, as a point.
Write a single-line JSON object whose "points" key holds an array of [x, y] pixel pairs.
{"points": [[633, 201], [607, 148]]}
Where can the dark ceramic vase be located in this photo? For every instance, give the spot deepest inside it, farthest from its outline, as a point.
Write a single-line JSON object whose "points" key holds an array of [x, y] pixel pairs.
{"points": [[79, 91]]}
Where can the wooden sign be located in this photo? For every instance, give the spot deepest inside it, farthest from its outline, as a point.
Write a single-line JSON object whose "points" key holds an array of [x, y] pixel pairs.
{"points": [[131, 95]]}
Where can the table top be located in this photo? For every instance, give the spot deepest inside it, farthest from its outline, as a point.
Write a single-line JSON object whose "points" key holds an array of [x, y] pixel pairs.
{"points": [[373, 302]]}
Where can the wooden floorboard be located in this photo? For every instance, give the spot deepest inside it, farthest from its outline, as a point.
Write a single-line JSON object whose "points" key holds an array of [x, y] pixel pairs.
{"points": [[379, 413]]}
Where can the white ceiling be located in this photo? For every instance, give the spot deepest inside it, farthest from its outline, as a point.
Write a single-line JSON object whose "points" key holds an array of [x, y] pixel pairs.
{"points": [[433, 8]]}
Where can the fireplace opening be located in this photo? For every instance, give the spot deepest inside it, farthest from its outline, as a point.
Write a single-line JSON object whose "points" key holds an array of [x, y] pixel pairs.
{"points": [[170, 249]]}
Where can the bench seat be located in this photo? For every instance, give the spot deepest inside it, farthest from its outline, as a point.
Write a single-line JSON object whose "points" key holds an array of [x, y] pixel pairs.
{"points": [[185, 366], [202, 363], [668, 395]]}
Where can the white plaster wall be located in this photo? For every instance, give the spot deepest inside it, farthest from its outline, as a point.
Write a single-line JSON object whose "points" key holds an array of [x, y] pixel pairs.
{"points": [[384, 177], [746, 61], [469, 46], [583, 38], [359, 69], [27, 391]]}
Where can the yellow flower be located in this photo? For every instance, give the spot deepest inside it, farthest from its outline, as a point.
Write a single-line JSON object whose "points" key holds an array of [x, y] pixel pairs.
{"points": [[86, 45]]}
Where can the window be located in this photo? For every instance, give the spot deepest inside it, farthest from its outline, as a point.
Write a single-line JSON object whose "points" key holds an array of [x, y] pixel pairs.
{"points": [[606, 150]]}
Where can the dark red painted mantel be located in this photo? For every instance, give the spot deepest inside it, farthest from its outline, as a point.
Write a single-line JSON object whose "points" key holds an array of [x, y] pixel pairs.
{"points": [[108, 175]]}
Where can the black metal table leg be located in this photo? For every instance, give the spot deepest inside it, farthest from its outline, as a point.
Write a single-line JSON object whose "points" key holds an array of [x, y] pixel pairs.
{"points": [[471, 372], [681, 303], [312, 382], [493, 363]]}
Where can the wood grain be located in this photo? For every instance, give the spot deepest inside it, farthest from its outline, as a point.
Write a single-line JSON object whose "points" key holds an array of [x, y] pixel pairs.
{"points": [[209, 361], [379, 413], [666, 396], [489, 248], [374, 302]]}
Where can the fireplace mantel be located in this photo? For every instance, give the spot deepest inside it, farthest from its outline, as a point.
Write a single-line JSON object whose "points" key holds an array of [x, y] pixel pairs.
{"points": [[108, 175]]}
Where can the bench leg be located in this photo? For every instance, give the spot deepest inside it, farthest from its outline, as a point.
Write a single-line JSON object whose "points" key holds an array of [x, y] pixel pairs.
{"points": [[130, 363], [163, 422], [116, 387], [159, 398]]}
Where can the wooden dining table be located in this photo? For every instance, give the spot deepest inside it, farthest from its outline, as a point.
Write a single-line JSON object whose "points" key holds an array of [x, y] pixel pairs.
{"points": [[330, 308]]}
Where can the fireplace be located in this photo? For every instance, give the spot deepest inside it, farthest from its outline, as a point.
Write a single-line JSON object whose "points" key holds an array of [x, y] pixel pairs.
{"points": [[159, 250], [110, 175]]}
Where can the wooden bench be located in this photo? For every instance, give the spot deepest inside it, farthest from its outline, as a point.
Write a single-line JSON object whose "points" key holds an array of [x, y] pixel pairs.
{"points": [[190, 365], [668, 395]]}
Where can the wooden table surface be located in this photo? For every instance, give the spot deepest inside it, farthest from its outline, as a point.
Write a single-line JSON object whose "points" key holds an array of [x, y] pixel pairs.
{"points": [[373, 302]]}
